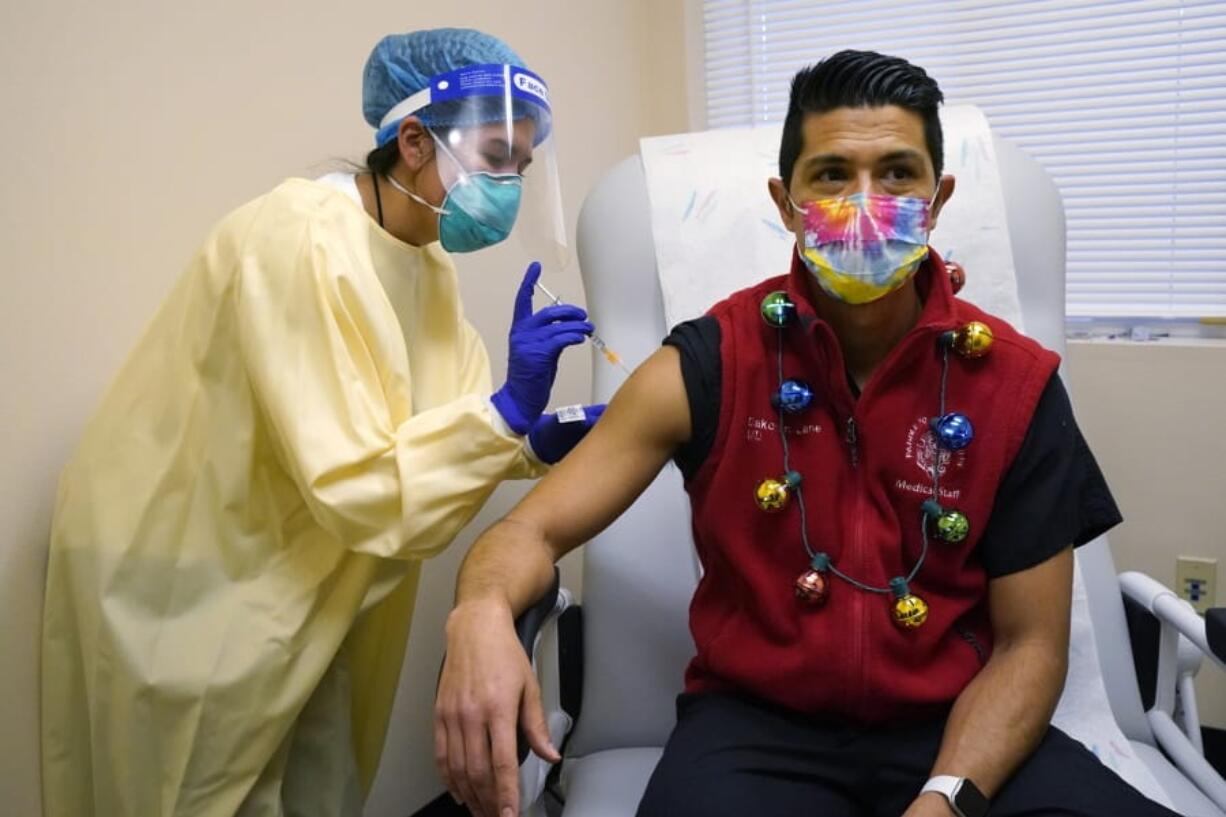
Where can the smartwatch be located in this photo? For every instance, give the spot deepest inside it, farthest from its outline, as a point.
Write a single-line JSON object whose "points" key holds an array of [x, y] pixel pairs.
{"points": [[963, 795]]}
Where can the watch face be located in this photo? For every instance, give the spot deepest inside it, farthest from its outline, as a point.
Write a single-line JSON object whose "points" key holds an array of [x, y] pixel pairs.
{"points": [[970, 801]]}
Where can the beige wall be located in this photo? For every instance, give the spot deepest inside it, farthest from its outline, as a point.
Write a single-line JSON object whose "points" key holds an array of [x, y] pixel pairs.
{"points": [[1155, 416], [131, 126]]}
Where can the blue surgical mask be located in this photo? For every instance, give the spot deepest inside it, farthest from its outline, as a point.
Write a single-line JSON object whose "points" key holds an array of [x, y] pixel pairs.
{"points": [[479, 209]]}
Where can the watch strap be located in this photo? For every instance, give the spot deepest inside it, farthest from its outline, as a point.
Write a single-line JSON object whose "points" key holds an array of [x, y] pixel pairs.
{"points": [[947, 785]]}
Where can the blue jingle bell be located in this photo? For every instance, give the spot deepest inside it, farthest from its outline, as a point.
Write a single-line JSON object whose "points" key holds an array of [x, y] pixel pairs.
{"points": [[953, 431], [794, 396]]}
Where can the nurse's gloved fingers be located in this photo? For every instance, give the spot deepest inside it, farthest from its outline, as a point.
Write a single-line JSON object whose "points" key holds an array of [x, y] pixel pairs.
{"points": [[532, 720], [559, 342], [552, 314], [440, 757], [480, 770], [523, 298], [458, 764], [582, 327], [506, 764]]}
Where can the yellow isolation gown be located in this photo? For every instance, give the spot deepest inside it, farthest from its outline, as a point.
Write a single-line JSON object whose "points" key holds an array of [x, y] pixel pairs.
{"points": [[238, 538]]}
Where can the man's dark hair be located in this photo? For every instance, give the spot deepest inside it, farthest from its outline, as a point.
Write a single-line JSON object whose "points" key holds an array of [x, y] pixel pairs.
{"points": [[860, 79]]}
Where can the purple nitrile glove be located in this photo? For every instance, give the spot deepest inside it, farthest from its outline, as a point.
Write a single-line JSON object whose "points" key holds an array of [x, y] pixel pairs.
{"points": [[536, 341], [552, 439]]}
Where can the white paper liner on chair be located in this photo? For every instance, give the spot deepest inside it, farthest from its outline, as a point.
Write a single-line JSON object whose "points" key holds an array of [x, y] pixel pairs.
{"points": [[1083, 711], [716, 229]]}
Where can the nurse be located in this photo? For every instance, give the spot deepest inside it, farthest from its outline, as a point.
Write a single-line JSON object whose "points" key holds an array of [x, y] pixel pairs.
{"points": [[238, 538]]}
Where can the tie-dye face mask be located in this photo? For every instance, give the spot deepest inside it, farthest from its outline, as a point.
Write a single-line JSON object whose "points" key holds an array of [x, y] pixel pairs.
{"points": [[865, 246]]}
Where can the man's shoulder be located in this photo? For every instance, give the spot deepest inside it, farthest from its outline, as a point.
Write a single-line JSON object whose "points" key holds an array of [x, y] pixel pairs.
{"points": [[749, 298]]}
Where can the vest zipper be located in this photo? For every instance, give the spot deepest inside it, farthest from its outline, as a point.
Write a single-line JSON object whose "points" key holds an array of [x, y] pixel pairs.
{"points": [[852, 439], [857, 560]]}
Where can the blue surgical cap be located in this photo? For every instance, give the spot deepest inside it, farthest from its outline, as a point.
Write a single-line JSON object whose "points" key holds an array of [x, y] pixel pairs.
{"points": [[402, 64]]}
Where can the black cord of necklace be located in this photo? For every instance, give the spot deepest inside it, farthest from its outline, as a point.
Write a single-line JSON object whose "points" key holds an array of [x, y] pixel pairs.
{"points": [[800, 497]]}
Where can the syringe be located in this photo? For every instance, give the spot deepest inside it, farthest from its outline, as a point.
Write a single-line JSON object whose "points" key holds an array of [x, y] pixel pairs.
{"points": [[600, 345]]}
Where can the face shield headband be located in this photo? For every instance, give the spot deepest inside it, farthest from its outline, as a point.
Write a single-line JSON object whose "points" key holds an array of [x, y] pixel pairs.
{"points": [[517, 89]]}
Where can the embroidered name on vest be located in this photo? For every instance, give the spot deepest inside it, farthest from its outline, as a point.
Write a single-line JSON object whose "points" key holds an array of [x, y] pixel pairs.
{"points": [[759, 428]]}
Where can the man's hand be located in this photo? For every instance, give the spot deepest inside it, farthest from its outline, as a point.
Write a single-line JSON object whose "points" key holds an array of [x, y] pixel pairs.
{"points": [[930, 804], [486, 687]]}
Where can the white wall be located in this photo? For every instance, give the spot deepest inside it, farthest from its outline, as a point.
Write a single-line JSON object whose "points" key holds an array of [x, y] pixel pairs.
{"points": [[131, 126]]}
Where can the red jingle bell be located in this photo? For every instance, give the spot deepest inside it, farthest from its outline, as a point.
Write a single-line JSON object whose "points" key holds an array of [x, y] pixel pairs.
{"points": [[812, 588], [957, 275]]}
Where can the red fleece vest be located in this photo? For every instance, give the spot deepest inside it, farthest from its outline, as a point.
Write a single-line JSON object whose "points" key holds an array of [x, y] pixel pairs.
{"points": [[849, 659]]}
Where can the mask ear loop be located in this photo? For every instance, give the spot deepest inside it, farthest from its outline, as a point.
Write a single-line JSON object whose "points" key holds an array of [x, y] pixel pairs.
{"points": [[406, 191], [932, 202], [440, 211]]}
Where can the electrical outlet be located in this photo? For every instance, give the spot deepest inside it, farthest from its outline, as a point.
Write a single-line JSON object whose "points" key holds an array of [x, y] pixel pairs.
{"points": [[1196, 581]]}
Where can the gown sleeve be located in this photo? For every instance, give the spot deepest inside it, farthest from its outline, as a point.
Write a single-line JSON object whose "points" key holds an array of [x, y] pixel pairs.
{"points": [[323, 353]]}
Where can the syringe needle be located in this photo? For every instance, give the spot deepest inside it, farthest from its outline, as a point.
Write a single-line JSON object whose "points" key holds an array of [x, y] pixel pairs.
{"points": [[597, 341], [556, 300]]}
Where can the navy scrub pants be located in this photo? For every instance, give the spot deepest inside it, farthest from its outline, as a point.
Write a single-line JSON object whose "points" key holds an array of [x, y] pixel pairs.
{"points": [[741, 758]]}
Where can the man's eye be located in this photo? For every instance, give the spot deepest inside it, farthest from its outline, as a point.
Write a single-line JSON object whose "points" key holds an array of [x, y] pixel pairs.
{"points": [[831, 174], [899, 174]]}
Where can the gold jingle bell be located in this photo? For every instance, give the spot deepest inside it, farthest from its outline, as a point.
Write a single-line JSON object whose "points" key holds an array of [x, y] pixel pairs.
{"points": [[973, 340], [910, 611], [772, 494]]}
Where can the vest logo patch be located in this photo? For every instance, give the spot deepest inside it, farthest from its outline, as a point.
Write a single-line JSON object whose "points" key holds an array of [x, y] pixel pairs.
{"points": [[759, 428], [929, 458]]}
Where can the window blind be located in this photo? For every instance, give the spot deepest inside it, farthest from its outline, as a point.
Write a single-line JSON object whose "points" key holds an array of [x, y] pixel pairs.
{"points": [[1123, 102]]}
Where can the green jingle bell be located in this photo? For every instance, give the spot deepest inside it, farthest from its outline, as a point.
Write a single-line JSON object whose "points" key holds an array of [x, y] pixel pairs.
{"points": [[950, 526], [778, 310], [953, 527]]}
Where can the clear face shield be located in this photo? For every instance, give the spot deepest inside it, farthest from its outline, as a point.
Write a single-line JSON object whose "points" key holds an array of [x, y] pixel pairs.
{"points": [[493, 133]]}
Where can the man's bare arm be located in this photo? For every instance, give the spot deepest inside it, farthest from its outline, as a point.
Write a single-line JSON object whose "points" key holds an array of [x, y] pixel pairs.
{"points": [[487, 684], [1001, 716]]}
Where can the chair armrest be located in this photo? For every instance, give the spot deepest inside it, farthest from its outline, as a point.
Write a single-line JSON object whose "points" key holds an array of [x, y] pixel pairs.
{"points": [[1180, 627], [528, 626], [551, 633], [1215, 631], [1176, 613]]}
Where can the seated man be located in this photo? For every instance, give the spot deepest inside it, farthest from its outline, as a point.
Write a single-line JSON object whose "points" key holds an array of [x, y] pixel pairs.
{"points": [[886, 485]]}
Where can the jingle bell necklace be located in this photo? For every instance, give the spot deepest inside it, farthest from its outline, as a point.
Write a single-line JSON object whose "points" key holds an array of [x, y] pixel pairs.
{"points": [[951, 431]]}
